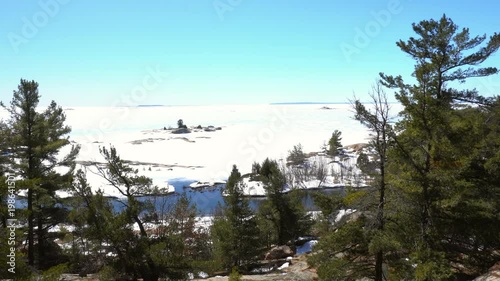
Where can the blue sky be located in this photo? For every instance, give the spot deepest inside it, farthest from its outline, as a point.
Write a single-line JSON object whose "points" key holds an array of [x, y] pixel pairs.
{"points": [[175, 52]]}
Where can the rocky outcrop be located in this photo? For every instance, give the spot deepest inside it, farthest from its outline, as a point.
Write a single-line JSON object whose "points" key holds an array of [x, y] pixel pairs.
{"points": [[357, 146], [298, 270], [279, 252], [209, 129], [181, 131]]}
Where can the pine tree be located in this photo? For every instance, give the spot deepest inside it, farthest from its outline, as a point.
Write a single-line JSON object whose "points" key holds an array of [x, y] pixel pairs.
{"points": [[165, 244], [136, 254], [37, 138], [296, 156], [358, 247], [127, 182], [283, 209], [427, 160], [181, 238], [377, 121], [234, 232], [335, 143]]}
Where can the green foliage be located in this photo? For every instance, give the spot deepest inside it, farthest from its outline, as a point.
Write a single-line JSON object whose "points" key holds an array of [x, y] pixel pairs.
{"points": [[235, 275], [185, 243], [366, 166], [54, 273], [355, 198], [431, 213], [267, 168], [342, 254], [334, 143], [431, 265], [256, 168], [282, 211], [235, 232], [135, 254], [21, 271], [107, 273], [36, 140], [180, 124], [328, 203], [435, 165], [296, 155], [210, 266], [381, 241]]}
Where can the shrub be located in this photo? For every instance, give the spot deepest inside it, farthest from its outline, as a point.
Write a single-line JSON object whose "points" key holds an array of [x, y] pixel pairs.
{"points": [[54, 273], [107, 273], [235, 275]]}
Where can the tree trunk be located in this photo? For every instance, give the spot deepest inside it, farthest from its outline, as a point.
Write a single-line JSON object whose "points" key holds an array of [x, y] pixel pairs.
{"points": [[379, 261], [29, 176], [379, 257], [151, 273], [41, 244], [31, 255]]}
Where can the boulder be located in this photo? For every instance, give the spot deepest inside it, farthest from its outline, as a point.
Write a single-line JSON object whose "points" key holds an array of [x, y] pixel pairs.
{"points": [[210, 129], [279, 252]]}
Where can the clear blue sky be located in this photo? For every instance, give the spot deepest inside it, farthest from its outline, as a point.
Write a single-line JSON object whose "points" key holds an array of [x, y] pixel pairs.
{"points": [[89, 52]]}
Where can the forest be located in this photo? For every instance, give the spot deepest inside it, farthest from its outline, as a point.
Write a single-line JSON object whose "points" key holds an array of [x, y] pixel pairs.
{"points": [[431, 212]]}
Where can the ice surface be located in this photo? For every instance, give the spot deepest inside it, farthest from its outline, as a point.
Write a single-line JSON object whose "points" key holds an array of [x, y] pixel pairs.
{"points": [[249, 133]]}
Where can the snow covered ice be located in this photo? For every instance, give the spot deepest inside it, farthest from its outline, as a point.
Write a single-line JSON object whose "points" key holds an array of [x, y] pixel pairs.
{"points": [[249, 133]]}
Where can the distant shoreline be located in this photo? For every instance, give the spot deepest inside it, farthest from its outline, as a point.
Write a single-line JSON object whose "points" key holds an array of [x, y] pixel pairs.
{"points": [[150, 105], [320, 103], [306, 102]]}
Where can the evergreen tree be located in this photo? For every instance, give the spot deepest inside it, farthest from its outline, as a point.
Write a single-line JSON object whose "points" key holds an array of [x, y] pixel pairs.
{"points": [[334, 143], [184, 241], [132, 254], [296, 156], [37, 139], [377, 121], [126, 181], [428, 167], [128, 234], [234, 232], [357, 248], [283, 208]]}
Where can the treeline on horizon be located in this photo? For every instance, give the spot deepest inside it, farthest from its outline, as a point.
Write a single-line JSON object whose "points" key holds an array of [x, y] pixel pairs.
{"points": [[431, 211]]}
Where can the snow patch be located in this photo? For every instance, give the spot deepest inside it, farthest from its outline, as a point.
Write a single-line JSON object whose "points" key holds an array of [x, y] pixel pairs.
{"points": [[283, 266]]}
